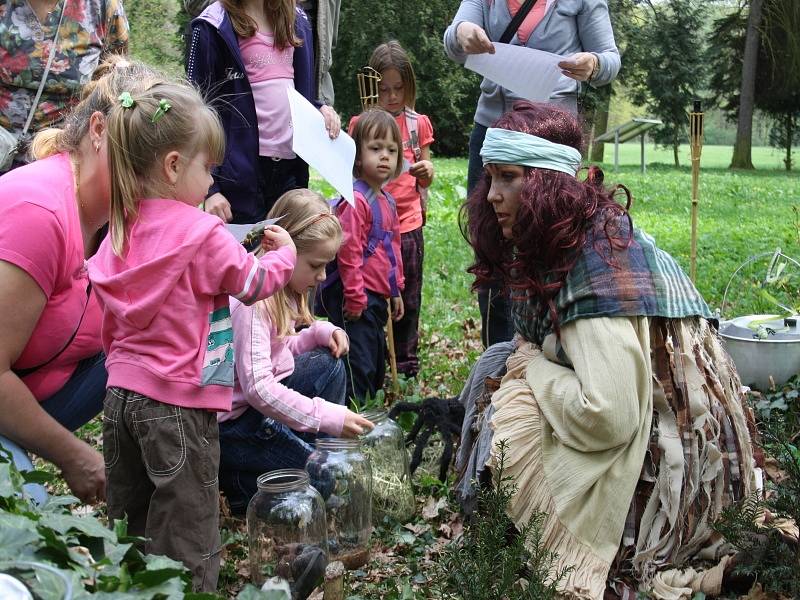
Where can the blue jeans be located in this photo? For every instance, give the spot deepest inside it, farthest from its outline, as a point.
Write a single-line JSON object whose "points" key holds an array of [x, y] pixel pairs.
{"points": [[254, 444], [72, 406]]}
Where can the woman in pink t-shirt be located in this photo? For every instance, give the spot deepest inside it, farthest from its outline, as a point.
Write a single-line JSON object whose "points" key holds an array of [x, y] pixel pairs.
{"points": [[52, 215]]}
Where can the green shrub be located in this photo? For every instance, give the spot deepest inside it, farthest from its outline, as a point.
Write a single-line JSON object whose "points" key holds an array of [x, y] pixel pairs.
{"points": [[155, 35], [53, 551], [492, 559], [765, 553]]}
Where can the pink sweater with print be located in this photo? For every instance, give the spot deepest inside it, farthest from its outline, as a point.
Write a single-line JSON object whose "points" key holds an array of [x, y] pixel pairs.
{"points": [[263, 360], [166, 320], [358, 277]]}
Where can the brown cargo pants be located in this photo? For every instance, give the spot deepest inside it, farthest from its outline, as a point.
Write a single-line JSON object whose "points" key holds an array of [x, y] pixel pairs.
{"points": [[162, 464]]}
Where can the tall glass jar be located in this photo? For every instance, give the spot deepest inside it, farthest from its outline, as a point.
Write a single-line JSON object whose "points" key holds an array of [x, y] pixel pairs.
{"points": [[341, 473], [392, 493], [286, 531]]}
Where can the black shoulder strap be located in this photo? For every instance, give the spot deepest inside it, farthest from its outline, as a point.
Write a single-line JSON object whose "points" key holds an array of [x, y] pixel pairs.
{"points": [[516, 21], [25, 372]]}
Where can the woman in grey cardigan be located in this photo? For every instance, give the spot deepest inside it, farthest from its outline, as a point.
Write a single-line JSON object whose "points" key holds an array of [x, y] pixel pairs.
{"points": [[578, 29]]}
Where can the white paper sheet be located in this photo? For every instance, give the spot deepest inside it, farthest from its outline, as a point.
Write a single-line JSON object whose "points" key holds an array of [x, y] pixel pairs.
{"points": [[529, 73], [241, 231], [333, 159]]}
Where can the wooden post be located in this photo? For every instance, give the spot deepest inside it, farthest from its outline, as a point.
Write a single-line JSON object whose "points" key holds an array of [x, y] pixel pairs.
{"points": [[644, 166], [334, 582], [616, 149], [392, 353], [696, 146]]}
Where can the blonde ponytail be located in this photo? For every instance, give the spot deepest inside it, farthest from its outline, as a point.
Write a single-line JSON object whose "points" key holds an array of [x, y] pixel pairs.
{"points": [[307, 217], [141, 132]]}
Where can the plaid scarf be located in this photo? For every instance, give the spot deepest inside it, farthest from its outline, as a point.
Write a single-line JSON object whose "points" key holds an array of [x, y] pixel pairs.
{"points": [[642, 280]]}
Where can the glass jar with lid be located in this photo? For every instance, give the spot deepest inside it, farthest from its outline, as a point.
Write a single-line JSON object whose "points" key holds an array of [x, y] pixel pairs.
{"points": [[392, 493], [287, 531], [341, 472]]}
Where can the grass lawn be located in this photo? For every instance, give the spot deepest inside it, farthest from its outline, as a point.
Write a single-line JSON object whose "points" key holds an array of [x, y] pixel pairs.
{"points": [[717, 157]]}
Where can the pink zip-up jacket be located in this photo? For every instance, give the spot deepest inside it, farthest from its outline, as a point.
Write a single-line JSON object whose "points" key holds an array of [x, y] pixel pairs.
{"points": [[263, 360], [374, 275], [166, 320]]}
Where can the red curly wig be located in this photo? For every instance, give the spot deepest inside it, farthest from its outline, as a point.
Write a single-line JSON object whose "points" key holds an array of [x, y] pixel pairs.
{"points": [[555, 212]]}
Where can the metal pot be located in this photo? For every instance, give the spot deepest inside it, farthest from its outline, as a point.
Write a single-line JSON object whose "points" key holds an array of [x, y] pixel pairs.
{"points": [[770, 350]]}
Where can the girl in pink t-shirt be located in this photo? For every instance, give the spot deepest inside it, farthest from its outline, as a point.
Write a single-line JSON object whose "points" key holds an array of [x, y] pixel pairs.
{"points": [[246, 54], [290, 385], [397, 93]]}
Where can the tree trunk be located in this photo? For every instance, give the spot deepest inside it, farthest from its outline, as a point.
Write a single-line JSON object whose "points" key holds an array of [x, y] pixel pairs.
{"points": [[601, 122], [742, 156], [675, 151], [789, 138]]}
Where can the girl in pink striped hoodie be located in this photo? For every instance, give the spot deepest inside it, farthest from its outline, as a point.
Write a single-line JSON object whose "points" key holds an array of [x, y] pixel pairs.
{"points": [[290, 385], [163, 277]]}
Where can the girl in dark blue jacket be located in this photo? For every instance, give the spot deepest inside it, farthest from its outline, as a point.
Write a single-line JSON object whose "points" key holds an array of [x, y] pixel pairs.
{"points": [[244, 54]]}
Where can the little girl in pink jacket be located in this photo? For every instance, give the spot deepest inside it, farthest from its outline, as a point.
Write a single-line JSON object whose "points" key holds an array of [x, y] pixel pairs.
{"points": [[290, 385]]}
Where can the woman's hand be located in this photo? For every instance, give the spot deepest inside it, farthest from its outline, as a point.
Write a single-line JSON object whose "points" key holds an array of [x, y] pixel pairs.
{"points": [[354, 425], [473, 39], [339, 344], [217, 204], [85, 473], [422, 170], [398, 310], [275, 237], [333, 122], [579, 66]]}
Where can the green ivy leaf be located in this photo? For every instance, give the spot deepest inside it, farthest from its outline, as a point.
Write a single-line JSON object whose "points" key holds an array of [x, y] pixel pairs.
{"points": [[56, 504], [51, 586], [37, 477], [10, 481], [16, 532], [63, 523]]}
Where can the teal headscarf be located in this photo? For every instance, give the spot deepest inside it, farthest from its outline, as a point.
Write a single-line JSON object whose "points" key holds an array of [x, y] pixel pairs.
{"points": [[502, 146]]}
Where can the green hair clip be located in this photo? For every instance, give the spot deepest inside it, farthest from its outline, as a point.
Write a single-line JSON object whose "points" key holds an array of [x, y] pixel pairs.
{"points": [[126, 100], [163, 107]]}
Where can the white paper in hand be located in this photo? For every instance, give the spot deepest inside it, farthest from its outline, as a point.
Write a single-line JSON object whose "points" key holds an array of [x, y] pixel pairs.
{"points": [[529, 73], [333, 159]]}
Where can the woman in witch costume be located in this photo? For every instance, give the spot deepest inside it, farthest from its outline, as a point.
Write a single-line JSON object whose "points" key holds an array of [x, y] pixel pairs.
{"points": [[623, 416]]}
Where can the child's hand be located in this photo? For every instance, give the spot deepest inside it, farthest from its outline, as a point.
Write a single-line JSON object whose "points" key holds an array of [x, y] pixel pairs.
{"points": [[397, 308], [339, 343], [217, 204], [354, 425], [332, 121], [352, 316], [422, 170], [275, 237]]}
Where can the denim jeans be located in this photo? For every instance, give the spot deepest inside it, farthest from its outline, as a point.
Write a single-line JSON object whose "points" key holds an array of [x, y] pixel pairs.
{"points": [[72, 406], [493, 302], [254, 444]]}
